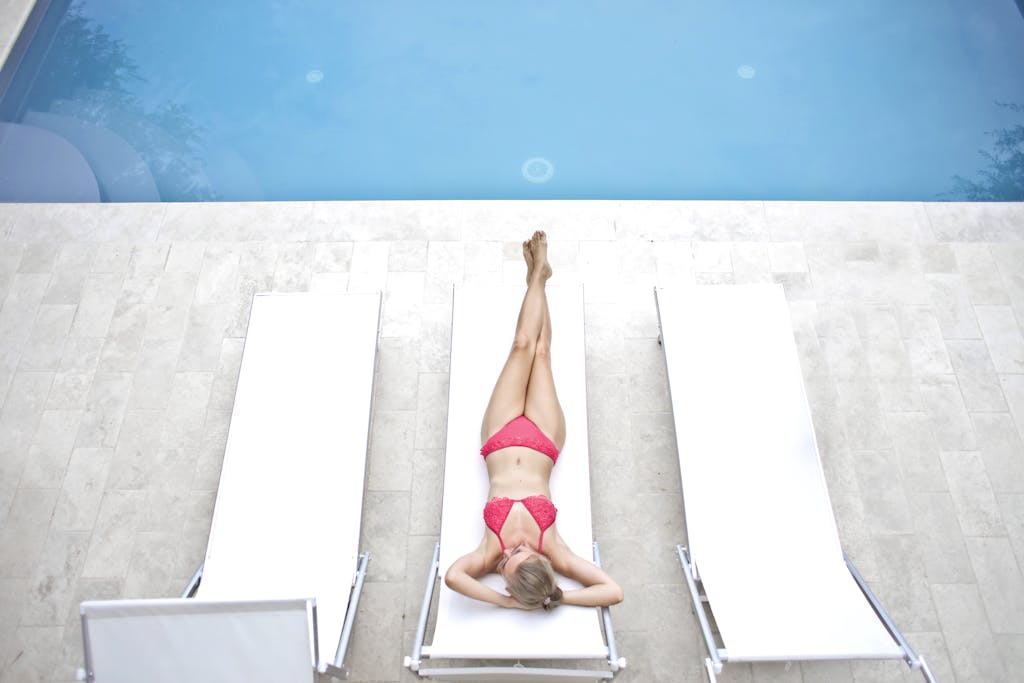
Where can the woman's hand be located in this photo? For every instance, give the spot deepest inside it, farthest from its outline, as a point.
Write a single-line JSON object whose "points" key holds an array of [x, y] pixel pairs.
{"points": [[512, 603]]}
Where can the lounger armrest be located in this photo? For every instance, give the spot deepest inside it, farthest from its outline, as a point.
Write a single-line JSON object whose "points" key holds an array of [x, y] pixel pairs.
{"points": [[615, 662]]}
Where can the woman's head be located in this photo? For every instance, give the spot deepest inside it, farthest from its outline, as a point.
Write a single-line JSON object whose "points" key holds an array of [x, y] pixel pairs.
{"points": [[532, 582]]}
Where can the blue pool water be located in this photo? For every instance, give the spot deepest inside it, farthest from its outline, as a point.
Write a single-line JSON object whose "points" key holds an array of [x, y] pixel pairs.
{"points": [[190, 100]]}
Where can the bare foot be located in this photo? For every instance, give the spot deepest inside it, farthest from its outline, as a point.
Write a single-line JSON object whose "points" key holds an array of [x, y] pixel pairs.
{"points": [[539, 249], [528, 257]]}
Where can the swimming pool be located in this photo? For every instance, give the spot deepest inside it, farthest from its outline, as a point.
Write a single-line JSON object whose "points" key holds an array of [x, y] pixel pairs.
{"points": [[127, 100]]}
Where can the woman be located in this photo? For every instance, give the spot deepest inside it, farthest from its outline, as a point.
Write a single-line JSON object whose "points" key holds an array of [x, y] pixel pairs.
{"points": [[523, 431]]}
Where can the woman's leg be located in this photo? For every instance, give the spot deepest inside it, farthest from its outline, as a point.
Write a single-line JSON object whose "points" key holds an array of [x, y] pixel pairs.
{"points": [[542, 406], [508, 400]]}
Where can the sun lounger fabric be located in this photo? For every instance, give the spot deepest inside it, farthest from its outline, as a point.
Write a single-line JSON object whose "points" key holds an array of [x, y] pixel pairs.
{"points": [[482, 331], [166, 641], [286, 521], [759, 522]]}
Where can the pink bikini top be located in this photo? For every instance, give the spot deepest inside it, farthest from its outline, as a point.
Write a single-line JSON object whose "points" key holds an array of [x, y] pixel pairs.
{"points": [[540, 508]]}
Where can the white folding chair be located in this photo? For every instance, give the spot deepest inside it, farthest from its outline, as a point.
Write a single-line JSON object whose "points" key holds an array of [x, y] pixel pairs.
{"points": [[289, 504], [762, 539], [467, 631], [199, 641]]}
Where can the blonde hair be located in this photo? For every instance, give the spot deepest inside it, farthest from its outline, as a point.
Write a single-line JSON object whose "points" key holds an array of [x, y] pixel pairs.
{"points": [[534, 584]]}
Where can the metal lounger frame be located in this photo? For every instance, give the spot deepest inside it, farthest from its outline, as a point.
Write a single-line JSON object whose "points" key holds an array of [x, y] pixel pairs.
{"points": [[717, 656]]}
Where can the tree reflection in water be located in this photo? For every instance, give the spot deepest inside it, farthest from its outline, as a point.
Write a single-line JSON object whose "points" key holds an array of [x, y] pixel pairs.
{"points": [[1003, 178], [89, 75]]}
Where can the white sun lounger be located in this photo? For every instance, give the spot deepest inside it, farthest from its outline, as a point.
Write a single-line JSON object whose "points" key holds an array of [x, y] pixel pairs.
{"points": [[762, 540], [468, 631], [280, 586]]}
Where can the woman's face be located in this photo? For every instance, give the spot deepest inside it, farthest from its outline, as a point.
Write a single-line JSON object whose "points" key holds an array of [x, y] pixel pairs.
{"points": [[511, 558]]}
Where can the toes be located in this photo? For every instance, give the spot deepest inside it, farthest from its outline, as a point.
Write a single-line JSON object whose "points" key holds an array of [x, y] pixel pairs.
{"points": [[536, 247]]}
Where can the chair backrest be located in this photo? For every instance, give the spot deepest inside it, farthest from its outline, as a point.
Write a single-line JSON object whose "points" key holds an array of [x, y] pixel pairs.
{"points": [[168, 641]]}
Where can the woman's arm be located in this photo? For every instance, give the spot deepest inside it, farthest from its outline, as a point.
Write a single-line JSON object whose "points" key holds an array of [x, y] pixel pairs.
{"points": [[599, 589], [464, 577]]}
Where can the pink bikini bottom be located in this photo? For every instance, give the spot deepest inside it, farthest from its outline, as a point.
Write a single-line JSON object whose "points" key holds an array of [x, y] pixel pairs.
{"points": [[521, 432]]}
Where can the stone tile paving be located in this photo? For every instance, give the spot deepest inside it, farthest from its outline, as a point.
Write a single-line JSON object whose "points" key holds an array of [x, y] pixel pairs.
{"points": [[121, 329]]}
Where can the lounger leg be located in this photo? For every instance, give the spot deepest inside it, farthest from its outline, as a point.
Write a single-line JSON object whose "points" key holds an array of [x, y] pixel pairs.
{"points": [[413, 662], [913, 660], [925, 669], [713, 664], [337, 669], [709, 668], [193, 585]]}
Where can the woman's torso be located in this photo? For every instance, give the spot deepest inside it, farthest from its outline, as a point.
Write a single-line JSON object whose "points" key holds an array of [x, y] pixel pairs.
{"points": [[516, 473]]}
